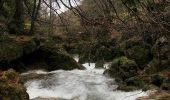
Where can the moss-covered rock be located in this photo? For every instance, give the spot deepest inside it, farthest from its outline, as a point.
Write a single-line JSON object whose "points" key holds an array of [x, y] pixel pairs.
{"points": [[127, 88], [51, 58], [58, 58], [131, 84], [10, 51], [13, 49], [122, 68], [10, 86], [134, 81]]}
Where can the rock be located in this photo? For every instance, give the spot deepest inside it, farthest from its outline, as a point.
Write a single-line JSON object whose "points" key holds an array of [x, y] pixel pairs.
{"points": [[13, 49], [53, 58], [157, 95], [130, 84], [10, 51], [134, 81], [122, 68], [127, 88], [11, 87]]}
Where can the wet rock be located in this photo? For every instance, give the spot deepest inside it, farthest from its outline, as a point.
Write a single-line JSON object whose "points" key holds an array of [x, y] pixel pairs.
{"points": [[122, 68], [134, 81], [11, 87], [158, 95]]}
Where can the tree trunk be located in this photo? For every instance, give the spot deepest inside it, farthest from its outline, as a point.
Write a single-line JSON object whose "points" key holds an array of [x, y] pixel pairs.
{"points": [[16, 26]]}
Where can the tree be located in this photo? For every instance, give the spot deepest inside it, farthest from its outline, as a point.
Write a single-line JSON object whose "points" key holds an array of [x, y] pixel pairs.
{"points": [[16, 25]]}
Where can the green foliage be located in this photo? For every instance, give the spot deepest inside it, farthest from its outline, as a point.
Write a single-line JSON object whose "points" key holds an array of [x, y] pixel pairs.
{"points": [[10, 51], [134, 81], [152, 67]]}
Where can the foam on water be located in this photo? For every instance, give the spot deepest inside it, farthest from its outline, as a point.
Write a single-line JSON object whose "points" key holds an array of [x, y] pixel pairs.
{"points": [[87, 84]]}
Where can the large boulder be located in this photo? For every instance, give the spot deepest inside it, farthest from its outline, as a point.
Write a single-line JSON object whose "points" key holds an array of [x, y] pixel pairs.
{"points": [[51, 58], [11, 88], [122, 68]]}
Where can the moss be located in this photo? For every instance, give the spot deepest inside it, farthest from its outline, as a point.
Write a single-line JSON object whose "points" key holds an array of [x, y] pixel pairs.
{"points": [[127, 88], [123, 68], [51, 58], [149, 87], [10, 51], [134, 81], [11, 88]]}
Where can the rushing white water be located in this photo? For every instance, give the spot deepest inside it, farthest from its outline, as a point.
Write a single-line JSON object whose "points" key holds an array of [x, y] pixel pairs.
{"points": [[87, 84]]}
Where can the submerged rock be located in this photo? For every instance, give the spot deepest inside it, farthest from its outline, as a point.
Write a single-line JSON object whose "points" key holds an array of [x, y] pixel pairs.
{"points": [[11, 87]]}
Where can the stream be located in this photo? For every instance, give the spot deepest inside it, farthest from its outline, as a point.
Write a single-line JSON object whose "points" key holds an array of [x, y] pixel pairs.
{"points": [[89, 84]]}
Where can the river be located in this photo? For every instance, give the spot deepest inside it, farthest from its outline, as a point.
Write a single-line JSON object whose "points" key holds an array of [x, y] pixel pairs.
{"points": [[89, 84]]}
